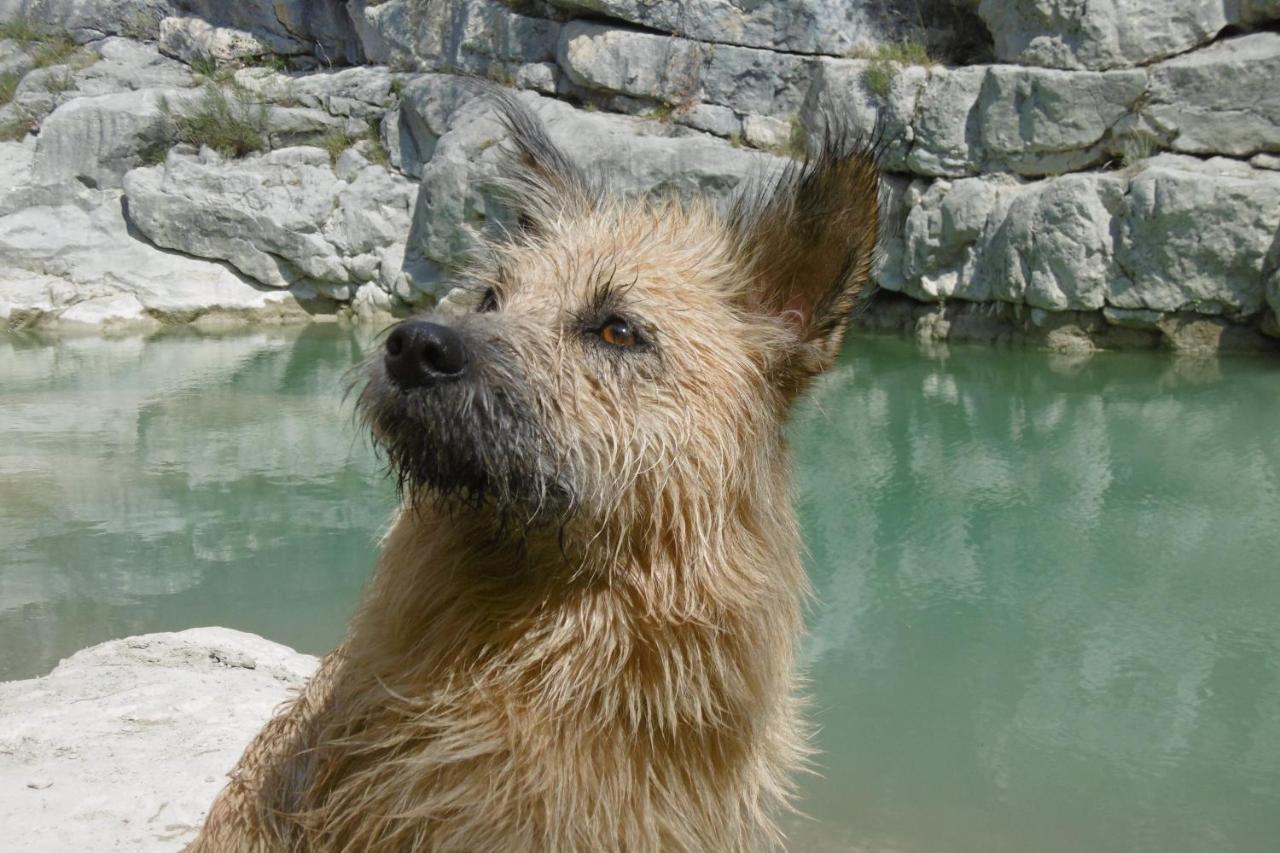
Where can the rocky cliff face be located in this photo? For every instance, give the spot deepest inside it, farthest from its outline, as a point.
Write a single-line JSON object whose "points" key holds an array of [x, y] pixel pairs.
{"points": [[1069, 174]]}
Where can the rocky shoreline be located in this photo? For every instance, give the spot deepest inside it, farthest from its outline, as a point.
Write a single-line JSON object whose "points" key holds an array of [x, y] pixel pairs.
{"points": [[1067, 178], [125, 744]]}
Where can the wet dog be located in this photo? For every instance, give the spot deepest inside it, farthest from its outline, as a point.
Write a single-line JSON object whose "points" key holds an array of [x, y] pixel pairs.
{"points": [[581, 632]]}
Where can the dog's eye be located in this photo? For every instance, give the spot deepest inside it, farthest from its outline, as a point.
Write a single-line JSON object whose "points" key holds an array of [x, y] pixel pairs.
{"points": [[618, 332], [488, 302]]}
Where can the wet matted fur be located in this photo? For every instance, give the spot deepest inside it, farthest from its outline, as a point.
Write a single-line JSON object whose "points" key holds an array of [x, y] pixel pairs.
{"points": [[581, 632]]}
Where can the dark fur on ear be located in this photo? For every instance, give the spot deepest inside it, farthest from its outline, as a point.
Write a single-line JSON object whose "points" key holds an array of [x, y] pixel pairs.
{"points": [[541, 182], [810, 235]]}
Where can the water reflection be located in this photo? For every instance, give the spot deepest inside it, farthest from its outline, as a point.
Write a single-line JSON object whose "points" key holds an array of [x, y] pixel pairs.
{"points": [[181, 480], [1047, 598], [1047, 588]]}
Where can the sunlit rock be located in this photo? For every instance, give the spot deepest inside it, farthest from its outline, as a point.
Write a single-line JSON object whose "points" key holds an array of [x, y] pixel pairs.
{"points": [[127, 743]]}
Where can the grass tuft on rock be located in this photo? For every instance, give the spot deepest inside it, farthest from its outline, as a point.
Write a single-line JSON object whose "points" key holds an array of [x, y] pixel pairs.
{"points": [[798, 140], [14, 130], [378, 154], [335, 142], [879, 76], [884, 60], [224, 121], [1135, 148], [662, 113], [23, 30], [55, 50], [8, 86]]}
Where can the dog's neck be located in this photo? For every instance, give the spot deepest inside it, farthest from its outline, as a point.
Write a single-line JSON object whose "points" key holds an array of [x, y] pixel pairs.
{"points": [[648, 627], [476, 662]]}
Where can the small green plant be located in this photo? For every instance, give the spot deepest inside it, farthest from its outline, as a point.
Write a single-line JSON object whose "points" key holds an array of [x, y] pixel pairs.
{"points": [[662, 113], [735, 139], [229, 125], [154, 153], [22, 29], [274, 61], [8, 86], [798, 141], [204, 66], [878, 77], [884, 60], [906, 52], [140, 26], [397, 86], [1136, 147], [335, 142], [378, 153], [15, 129], [53, 50]]}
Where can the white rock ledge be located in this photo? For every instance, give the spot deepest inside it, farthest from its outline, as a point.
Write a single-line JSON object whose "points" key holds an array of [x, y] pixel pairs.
{"points": [[124, 745]]}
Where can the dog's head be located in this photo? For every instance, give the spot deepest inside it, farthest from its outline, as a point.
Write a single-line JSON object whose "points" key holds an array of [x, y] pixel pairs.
{"points": [[624, 358]]}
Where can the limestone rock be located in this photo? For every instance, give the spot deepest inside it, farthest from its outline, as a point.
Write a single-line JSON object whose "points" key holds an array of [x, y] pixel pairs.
{"points": [[710, 118], [1224, 99], [363, 92], [840, 89], [1054, 247], [15, 59], [1038, 121], [87, 20], [97, 139], [385, 30], [946, 234], [189, 39], [802, 26], [281, 219], [1196, 235], [683, 72], [945, 137], [451, 35], [1271, 286], [125, 744], [1109, 34], [764, 132], [631, 62], [1179, 235], [126, 65], [291, 126], [319, 27], [74, 260], [456, 208], [543, 77], [757, 81]]}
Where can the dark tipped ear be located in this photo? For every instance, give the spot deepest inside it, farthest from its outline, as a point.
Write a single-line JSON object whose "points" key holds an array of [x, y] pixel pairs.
{"points": [[810, 236], [540, 181]]}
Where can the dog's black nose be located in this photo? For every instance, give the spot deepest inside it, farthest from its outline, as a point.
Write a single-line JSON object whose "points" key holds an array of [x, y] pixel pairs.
{"points": [[420, 353]]}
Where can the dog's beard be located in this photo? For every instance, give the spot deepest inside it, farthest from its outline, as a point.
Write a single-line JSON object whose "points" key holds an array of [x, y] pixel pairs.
{"points": [[467, 447]]}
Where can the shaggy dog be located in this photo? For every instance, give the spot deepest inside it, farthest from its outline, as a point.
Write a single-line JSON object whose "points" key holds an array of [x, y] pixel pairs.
{"points": [[581, 632]]}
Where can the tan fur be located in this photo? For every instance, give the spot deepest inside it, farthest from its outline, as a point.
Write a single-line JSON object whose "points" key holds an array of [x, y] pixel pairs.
{"points": [[622, 677]]}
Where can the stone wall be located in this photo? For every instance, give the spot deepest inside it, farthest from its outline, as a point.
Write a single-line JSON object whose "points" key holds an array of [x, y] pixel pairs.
{"points": [[1073, 175]]}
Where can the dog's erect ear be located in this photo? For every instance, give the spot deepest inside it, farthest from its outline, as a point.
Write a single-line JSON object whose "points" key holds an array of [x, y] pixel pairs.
{"points": [[810, 239], [541, 183]]}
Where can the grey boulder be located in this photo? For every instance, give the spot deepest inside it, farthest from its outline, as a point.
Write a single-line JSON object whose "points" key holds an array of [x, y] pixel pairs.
{"points": [[281, 219]]}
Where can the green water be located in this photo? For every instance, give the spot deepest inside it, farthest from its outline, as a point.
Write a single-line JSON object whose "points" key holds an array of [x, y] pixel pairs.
{"points": [[1047, 611]]}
